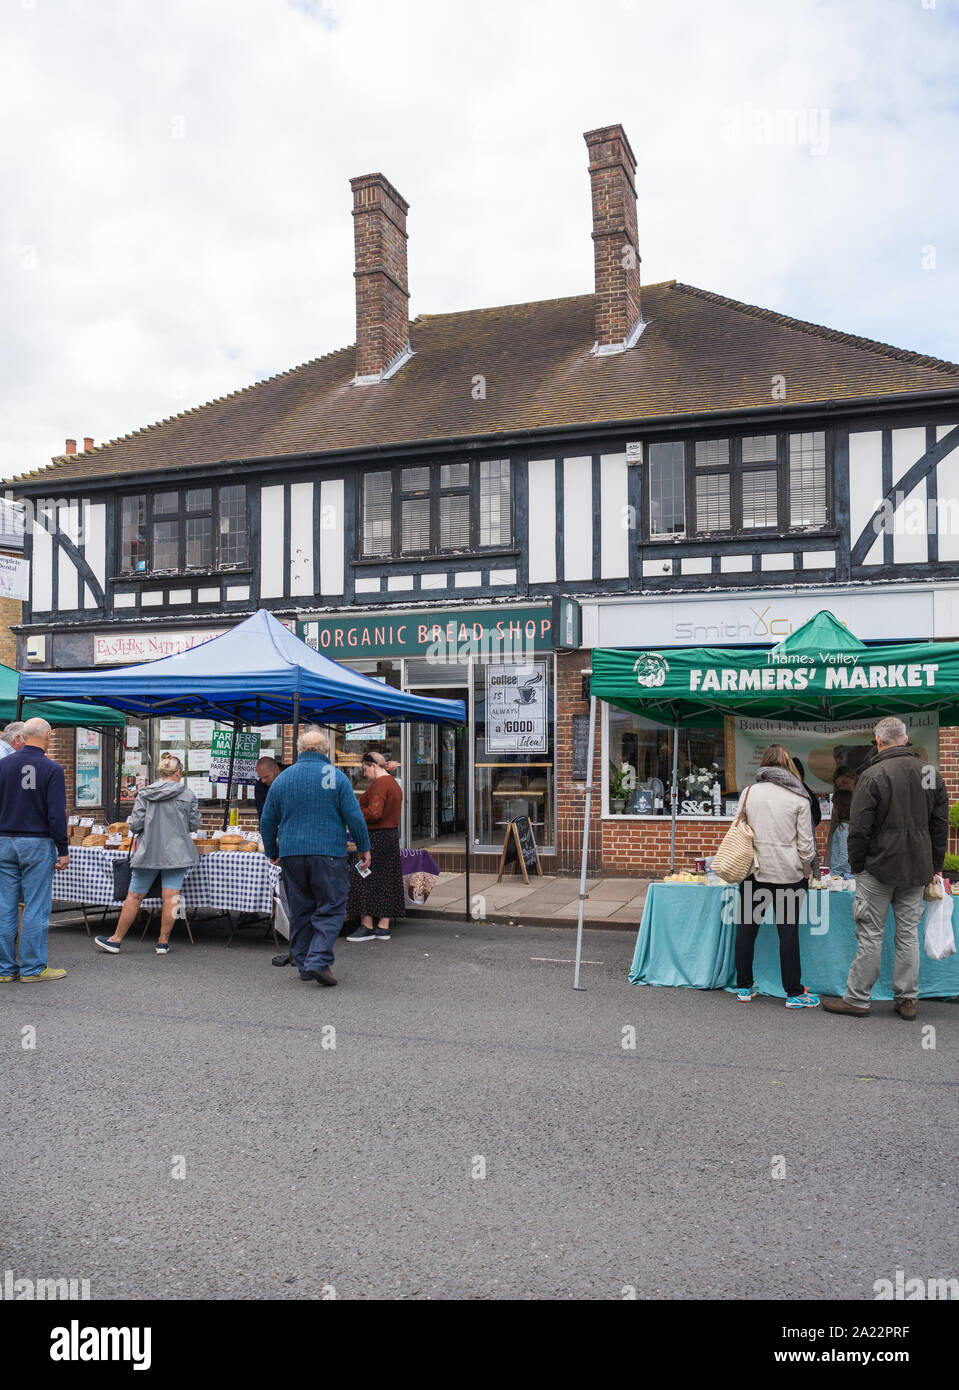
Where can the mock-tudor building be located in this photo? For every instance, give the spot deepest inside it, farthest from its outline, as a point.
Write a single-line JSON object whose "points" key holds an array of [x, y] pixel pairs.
{"points": [[685, 468]]}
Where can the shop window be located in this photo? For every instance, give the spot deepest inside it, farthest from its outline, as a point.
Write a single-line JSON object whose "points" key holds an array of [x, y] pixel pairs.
{"points": [[639, 761], [349, 742], [173, 532], [437, 509], [191, 741], [513, 750], [89, 765]]}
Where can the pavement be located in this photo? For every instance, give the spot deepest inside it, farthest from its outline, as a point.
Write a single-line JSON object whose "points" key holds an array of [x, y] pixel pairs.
{"points": [[454, 1121], [611, 902]]}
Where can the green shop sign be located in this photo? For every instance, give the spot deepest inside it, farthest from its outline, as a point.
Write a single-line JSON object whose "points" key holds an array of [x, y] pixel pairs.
{"points": [[447, 634]]}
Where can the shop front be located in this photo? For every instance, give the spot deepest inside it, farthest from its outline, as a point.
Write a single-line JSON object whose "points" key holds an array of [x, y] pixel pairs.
{"points": [[468, 781], [718, 753]]}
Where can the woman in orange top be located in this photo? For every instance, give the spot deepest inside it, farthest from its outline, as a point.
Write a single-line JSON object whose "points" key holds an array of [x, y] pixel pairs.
{"points": [[381, 894]]}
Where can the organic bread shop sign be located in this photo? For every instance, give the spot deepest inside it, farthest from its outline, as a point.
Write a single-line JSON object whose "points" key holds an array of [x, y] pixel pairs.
{"points": [[449, 636]]}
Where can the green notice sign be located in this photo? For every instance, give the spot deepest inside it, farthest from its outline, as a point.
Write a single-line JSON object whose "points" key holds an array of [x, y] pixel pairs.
{"points": [[244, 761], [445, 634]]}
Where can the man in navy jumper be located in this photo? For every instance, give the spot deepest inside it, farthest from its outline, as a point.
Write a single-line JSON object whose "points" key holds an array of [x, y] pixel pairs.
{"points": [[303, 824], [33, 843]]}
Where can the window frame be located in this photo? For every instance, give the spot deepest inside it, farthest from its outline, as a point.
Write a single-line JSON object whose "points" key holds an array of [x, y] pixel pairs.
{"points": [[736, 468], [436, 492], [181, 515]]}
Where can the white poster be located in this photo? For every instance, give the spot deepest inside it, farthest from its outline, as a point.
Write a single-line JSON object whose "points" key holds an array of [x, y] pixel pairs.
{"points": [[516, 708], [199, 759], [821, 747], [172, 729], [133, 736], [14, 577], [201, 730]]}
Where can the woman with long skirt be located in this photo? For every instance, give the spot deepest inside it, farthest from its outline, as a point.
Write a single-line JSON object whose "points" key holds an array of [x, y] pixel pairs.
{"points": [[379, 897]]}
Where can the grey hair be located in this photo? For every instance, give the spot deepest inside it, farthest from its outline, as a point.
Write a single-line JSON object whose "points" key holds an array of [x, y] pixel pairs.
{"points": [[891, 732], [313, 740], [12, 731], [36, 728]]}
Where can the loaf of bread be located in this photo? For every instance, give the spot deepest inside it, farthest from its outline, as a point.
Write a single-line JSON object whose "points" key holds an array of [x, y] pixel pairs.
{"points": [[93, 841]]}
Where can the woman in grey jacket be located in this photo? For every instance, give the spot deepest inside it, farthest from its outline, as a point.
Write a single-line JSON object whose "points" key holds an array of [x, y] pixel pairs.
{"points": [[776, 808], [163, 815]]}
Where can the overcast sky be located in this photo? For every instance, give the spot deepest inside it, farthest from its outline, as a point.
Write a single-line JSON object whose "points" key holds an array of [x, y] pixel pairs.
{"points": [[175, 216]]}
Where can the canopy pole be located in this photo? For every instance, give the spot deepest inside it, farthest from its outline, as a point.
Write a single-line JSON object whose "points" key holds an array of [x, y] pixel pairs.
{"points": [[674, 799], [466, 837], [19, 707], [119, 741], [582, 868], [229, 775], [296, 722]]}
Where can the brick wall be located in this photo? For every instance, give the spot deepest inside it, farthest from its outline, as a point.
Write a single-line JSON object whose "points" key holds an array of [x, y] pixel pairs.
{"points": [[570, 795], [10, 613]]}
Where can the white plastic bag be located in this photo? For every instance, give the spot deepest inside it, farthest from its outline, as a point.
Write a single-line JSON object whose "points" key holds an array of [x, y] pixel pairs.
{"points": [[940, 940]]}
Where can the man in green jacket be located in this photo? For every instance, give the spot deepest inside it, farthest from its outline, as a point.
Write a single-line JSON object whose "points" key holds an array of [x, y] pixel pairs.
{"points": [[898, 831]]}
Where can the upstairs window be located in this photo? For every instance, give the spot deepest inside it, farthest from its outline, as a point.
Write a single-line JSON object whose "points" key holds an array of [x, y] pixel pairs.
{"points": [[173, 532], [763, 482], [437, 509]]}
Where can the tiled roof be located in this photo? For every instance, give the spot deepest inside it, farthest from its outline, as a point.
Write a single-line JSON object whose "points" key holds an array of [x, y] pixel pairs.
{"points": [[700, 352]]}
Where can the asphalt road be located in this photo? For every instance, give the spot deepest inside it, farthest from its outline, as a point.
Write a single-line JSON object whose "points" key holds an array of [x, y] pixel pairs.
{"points": [[310, 1167]]}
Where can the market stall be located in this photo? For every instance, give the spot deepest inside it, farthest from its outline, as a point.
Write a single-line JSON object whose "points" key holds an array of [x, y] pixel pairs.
{"points": [[256, 673], [820, 672], [688, 933]]}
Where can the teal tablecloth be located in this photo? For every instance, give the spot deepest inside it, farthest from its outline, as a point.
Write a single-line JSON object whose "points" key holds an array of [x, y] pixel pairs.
{"points": [[688, 936]]}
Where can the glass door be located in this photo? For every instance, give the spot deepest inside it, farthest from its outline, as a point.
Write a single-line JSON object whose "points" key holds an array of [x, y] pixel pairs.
{"points": [[424, 791]]}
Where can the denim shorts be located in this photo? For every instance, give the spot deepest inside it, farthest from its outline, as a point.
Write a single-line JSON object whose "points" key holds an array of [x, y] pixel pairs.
{"points": [[141, 879]]}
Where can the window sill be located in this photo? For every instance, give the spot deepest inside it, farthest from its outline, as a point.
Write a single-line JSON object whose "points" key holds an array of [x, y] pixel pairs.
{"points": [[181, 576], [711, 537], [666, 819], [438, 558]]}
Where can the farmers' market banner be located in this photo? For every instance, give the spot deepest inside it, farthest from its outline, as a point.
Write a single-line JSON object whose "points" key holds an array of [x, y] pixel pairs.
{"points": [[820, 672], [822, 747]]}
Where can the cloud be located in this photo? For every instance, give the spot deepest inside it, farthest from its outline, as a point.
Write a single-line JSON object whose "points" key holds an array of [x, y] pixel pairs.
{"points": [[176, 217]]}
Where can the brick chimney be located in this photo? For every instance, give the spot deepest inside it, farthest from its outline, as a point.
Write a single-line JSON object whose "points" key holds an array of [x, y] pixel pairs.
{"points": [[87, 443], [71, 447], [612, 176], [382, 284]]}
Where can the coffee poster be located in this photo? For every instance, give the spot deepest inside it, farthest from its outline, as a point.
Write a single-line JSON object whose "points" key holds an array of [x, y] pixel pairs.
{"points": [[516, 708]]}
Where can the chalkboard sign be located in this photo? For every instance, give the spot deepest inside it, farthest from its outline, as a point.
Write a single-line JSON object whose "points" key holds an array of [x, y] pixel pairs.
{"points": [[580, 747], [519, 847]]}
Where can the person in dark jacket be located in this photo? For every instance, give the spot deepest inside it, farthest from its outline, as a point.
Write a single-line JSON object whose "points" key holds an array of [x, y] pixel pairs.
{"points": [[898, 831], [33, 844], [267, 771], [163, 816]]}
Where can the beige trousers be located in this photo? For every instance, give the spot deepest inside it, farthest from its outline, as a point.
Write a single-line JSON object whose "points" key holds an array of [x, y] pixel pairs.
{"points": [[871, 904]]}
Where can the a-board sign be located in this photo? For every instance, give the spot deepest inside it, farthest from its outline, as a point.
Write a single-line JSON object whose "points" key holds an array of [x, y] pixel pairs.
{"points": [[519, 847], [580, 743]]}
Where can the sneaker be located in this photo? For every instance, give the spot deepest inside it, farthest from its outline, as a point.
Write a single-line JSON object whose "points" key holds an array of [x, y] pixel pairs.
{"points": [[745, 995], [48, 974], [803, 1001], [106, 944], [163, 948], [362, 934], [381, 933], [8, 979]]}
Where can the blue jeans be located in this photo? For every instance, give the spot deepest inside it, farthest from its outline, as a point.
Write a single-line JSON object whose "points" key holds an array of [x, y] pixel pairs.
{"points": [[316, 889], [26, 875]]}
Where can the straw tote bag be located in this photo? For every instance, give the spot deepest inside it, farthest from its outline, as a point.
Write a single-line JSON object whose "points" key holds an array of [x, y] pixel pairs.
{"points": [[733, 861]]}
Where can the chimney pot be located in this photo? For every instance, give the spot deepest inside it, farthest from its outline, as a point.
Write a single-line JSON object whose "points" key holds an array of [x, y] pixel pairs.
{"points": [[71, 447], [612, 174], [382, 281]]}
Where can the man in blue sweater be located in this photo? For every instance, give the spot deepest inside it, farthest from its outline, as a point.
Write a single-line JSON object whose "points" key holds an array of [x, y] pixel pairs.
{"points": [[304, 823], [33, 843]]}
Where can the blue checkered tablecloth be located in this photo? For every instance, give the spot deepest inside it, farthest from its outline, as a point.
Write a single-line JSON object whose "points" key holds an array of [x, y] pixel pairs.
{"points": [[230, 881]]}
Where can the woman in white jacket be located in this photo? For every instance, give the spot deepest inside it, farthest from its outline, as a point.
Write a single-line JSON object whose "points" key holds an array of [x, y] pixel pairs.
{"points": [[776, 808]]}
